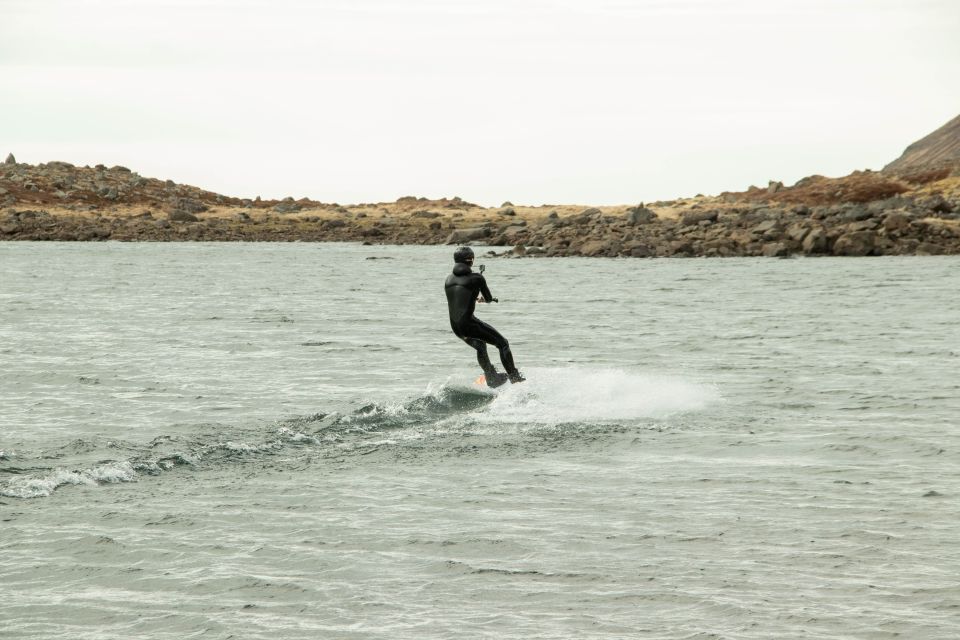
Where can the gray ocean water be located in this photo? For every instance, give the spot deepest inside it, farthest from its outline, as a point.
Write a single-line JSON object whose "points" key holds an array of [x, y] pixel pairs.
{"points": [[283, 441]]}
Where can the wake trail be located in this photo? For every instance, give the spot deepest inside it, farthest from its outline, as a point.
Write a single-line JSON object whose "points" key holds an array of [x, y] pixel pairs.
{"points": [[550, 397]]}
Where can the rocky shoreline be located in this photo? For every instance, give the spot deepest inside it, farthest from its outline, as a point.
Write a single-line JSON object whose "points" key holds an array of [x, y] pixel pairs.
{"points": [[864, 214]]}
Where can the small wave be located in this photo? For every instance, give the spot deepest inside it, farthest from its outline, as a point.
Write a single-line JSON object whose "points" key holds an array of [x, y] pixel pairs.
{"points": [[531, 573], [437, 403], [44, 485]]}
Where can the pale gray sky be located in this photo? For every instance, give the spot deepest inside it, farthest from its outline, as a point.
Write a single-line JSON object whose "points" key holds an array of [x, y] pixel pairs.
{"points": [[533, 101]]}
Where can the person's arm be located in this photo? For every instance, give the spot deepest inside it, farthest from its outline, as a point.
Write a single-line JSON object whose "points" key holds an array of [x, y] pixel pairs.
{"points": [[485, 290]]}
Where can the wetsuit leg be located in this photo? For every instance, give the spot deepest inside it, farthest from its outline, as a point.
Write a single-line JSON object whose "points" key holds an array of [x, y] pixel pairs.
{"points": [[484, 332], [483, 359]]}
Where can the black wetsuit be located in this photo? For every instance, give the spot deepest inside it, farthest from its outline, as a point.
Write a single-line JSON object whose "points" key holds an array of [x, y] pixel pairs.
{"points": [[462, 287]]}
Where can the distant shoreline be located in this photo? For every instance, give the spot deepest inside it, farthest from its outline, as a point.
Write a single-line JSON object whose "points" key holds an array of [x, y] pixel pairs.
{"points": [[866, 213]]}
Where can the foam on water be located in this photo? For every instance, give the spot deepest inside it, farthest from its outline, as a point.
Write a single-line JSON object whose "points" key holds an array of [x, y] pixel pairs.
{"points": [[43, 485], [580, 394]]}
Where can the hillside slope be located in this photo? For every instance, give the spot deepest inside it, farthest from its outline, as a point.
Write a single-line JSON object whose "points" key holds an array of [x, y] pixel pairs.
{"points": [[939, 150]]}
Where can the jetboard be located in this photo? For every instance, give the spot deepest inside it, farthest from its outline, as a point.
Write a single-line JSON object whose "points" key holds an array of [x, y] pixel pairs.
{"points": [[493, 384]]}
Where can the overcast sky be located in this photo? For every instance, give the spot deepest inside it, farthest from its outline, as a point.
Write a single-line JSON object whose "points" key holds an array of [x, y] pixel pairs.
{"points": [[533, 101]]}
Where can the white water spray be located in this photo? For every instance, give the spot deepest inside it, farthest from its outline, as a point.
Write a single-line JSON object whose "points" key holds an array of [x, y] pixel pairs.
{"points": [[579, 394]]}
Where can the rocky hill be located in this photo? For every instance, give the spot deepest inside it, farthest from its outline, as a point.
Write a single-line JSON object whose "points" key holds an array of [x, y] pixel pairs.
{"points": [[916, 211], [939, 151]]}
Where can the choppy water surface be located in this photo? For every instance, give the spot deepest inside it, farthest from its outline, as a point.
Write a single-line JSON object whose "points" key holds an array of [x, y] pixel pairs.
{"points": [[282, 441]]}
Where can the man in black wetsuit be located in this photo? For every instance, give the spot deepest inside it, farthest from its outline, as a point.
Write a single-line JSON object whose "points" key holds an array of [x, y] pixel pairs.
{"points": [[463, 287]]}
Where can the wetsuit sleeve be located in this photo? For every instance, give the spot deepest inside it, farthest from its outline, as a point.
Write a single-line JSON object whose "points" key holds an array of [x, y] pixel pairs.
{"points": [[485, 290]]}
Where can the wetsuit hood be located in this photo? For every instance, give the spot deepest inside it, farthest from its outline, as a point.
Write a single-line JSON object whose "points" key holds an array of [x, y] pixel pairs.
{"points": [[461, 269]]}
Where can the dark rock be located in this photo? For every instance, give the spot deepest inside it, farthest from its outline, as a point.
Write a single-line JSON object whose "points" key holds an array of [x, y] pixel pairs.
{"points": [[774, 186], [766, 228], [179, 215], [768, 212], [188, 205], [937, 204], [640, 250], [513, 232], [855, 214], [797, 231], [288, 205], [696, 217], [425, 214], [896, 223], [929, 249], [775, 249], [639, 215], [506, 204], [585, 217], [863, 225], [460, 236], [595, 248], [553, 216], [877, 207], [857, 243], [720, 247], [815, 241], [508, 211], [10, 159]]}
